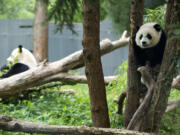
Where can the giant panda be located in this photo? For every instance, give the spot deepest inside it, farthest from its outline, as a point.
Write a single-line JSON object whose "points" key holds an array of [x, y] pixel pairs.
{"points": [[148, 44], [21, 59]]}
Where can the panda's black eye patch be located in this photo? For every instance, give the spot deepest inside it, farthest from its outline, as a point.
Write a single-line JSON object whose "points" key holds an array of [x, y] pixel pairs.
{"points": [[141, 36], [149, 36]]}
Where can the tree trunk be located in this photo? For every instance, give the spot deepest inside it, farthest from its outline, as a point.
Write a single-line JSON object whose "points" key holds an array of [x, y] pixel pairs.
{"points": [[133, 82], [169, 65], [93, 66], [41, 31], [148, 116]]}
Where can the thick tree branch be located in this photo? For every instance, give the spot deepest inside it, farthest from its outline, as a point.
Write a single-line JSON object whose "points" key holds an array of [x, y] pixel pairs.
{"points": [[172, 104], [147, 80], [9, 124], [176, 83], [73, 79], [36, 76]]}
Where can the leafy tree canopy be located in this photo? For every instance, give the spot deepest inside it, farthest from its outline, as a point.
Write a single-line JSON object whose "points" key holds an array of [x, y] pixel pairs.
{"points": [[10, 9], [119, 10]]}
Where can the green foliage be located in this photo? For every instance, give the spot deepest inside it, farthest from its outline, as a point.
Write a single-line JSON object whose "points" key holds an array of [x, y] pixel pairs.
{"points": [[103, 12], [118, 11], [120, 85], [11, 9], [63, 12], [171, 121], [175, 94], [51, 107], [174, 30], [113, 91], [155, 15]]}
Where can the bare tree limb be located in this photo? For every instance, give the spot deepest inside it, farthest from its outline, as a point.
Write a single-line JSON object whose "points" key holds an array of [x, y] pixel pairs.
{"points": [[73, 79], [147, 80], [172, 104], [36, 76], [120, 102], [9, 124], [176, 83]]}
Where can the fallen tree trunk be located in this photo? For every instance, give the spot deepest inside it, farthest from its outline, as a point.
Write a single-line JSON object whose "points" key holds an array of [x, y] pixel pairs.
{"points": [[34, 77], [9, 124], [74, 79]]}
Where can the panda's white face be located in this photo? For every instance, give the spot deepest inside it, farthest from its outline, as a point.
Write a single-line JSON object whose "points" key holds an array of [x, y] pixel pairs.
{"points": [[147, 36], [25, 57]]}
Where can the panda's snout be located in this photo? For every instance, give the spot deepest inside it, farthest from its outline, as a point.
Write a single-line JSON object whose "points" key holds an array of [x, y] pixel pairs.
{"points": [[144, 43]]}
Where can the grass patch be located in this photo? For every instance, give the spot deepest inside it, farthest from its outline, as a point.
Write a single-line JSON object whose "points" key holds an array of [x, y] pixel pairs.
{"points": [[51, 107]]}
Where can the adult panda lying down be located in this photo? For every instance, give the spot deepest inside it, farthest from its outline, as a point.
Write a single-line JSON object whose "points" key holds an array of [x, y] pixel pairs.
{"points": [[22, 60]]}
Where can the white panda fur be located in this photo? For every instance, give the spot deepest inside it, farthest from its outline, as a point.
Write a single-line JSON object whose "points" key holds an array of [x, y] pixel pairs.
{"points": [[148, 44], [22, 60], [148, 29], [25, 57]]}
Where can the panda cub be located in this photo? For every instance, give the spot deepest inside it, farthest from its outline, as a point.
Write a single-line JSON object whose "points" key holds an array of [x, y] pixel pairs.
{"points": [[149, 44], [22, 60]]}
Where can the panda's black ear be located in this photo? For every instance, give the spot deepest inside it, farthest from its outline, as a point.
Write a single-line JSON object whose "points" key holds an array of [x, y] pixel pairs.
{"points": [[157, 27], [20, 48]]}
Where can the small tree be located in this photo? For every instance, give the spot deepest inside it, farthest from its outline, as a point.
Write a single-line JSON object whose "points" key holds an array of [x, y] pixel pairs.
{"points": [[133, 84], [41, 31]]}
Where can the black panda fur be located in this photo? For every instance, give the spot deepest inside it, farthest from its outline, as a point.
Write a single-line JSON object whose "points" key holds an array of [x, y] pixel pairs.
{"points": [[16, 69], [20, 66], [154, 54]]}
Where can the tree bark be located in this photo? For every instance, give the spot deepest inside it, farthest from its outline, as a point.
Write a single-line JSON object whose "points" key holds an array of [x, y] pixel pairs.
{"points": [[148, 119], [150, 122], [172, 105], [133, 79], [93, 66], [37, 76], [41, 31], [169, 64], [137, 121], [9, 124]]}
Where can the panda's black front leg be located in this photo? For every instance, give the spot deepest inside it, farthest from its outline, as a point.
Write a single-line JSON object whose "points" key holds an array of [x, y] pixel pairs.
{"points": [[140, 62], [140, 59], [139, 55]]}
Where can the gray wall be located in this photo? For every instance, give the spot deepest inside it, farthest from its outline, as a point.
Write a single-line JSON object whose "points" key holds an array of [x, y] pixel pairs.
{"points": [[15, 32]]}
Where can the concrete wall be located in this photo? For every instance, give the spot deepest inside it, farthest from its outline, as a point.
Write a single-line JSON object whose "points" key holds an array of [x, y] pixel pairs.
{"points": [[15, 32]]}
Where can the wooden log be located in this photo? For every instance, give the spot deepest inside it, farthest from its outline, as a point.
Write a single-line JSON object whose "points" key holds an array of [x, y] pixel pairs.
{"points": [[33, 77], [74, 79], [9, 124]]}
